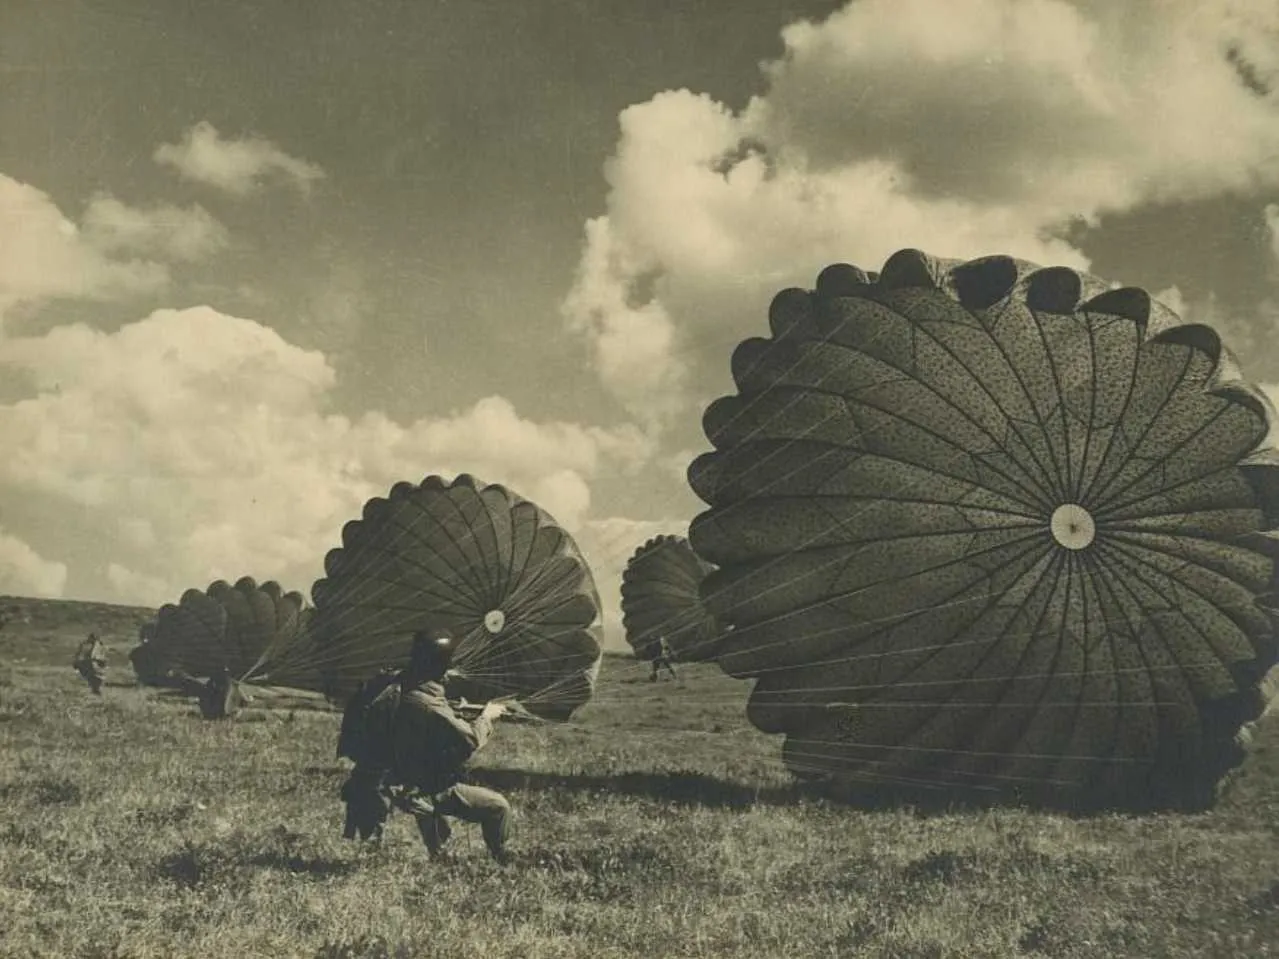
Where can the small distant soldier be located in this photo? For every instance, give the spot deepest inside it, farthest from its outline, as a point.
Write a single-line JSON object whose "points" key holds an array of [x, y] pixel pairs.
{"points": [[91, 662], [665, 658]]}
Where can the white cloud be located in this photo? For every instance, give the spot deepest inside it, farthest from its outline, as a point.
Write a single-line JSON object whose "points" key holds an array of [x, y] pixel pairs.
{"points": [[964, 128], [491, 436], [1068, 107], [23, 572], [200, 447], [140, 589], [1173, 298], [676, 464], [162, 230], [634, 344], [1249, 336], [238, 166], [564, 494], [1271, 214], [44, 255]]}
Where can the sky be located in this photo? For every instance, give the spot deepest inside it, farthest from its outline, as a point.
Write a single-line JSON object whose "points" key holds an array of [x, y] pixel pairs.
{"points": [[258, 262]]}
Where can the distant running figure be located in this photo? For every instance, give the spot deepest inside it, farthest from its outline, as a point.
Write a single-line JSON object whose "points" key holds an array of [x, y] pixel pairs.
{"points": [[665, 658], [91, 662]]}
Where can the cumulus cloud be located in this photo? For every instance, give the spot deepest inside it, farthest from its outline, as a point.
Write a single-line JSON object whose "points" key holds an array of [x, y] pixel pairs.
{"points": [[964, 129], [44, 255], [162, 230], [634, 344], [138, 587], [1173, 298], [1068, 107], [1248, 335], [200, 446], [1271, 214], [237, 166], [23, 572], [491, 437]]}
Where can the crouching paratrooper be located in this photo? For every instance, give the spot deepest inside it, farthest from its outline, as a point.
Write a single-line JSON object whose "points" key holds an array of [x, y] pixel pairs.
{"points": [[411, 749]]}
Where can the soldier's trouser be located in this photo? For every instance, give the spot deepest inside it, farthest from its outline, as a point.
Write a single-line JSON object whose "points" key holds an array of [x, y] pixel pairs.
{"points": [[366, 807], [658, 664], [92, 675], [470, 804]]}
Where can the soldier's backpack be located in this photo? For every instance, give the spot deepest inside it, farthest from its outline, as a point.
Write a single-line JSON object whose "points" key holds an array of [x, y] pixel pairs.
{"points": [[368, 721]]}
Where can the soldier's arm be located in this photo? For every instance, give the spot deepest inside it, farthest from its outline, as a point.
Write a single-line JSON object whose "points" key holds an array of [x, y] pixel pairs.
{"points": [[476, 733], [420, 725], [482, 727]]}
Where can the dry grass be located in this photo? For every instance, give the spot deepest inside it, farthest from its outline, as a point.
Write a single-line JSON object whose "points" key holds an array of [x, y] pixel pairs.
{"points": [[656, 824]]}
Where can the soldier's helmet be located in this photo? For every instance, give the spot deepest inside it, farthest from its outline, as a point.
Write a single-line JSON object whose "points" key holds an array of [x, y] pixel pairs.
{"points": [[432, 652]]}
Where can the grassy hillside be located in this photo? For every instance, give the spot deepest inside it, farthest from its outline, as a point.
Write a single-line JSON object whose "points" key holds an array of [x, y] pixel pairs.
{"points": [[657, 823], [46, 632]]}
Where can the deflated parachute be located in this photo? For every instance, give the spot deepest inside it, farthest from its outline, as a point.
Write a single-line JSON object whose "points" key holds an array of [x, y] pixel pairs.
{"points": [[660, 598], [229, 635], [493, 568], [988, 525], [148, 664]]}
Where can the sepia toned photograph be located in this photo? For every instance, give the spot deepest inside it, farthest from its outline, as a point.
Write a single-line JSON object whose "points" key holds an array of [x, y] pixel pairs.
{"points": [[585, 479]]}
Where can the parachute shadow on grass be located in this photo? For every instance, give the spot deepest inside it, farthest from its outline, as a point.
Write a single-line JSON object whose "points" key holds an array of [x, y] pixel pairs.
{"points": [[683, 788], [199, 862], [1267, 900], [316, 867], [364, 947], [687, 788], [45, 791], [929, 799], [192, 865]]}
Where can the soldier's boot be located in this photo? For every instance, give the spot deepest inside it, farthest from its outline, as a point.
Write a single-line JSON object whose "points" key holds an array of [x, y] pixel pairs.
{"points": [[435, 831], [496, 829]]}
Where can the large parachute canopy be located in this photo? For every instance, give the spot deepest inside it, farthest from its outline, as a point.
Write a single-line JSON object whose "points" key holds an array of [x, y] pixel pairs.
{"points": [[493, 568], [229, 634], [983, 525], [660, 597]]}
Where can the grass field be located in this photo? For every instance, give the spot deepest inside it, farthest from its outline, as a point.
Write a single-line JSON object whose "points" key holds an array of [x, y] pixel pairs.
{"points": [[656, 824]]}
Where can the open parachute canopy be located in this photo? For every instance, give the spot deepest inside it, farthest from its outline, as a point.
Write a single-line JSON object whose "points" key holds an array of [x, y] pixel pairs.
{"points": [[983, 524], [660, 597], [244, 633], [494, 569]]}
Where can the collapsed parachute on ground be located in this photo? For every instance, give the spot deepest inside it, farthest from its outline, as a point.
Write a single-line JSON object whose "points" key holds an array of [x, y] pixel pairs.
{"points": [[660, 598], [148, 666], [212, 642], [493, 568], [986, 525]]}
